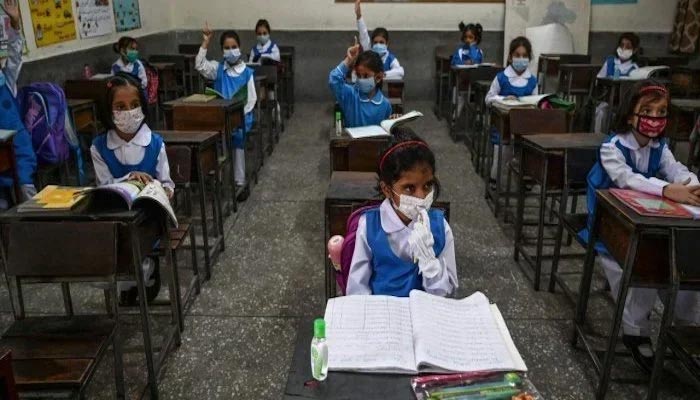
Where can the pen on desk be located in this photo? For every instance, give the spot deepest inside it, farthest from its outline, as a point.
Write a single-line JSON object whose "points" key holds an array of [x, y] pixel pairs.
{"points": [[496, 395], [509, 381]]}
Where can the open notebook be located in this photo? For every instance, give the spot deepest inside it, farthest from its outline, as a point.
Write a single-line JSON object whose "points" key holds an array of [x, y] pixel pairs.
{"points": [[654, 206], [532, 101], [421, 333], [384, 127]]}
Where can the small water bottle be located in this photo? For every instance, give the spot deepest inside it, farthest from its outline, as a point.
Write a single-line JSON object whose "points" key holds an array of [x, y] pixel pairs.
{"points": [[616, 74], [338, 123], [319, 351]]}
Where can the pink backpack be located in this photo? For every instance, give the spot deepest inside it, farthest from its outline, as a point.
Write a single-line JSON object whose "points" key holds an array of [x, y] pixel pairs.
{"points": [[348, 248]]}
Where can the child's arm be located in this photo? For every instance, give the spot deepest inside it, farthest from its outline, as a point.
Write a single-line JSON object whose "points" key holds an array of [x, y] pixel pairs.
{"points": [[274, 54], [163, 171], [362, 27], [494, 92], [684, 186], [336, 79], [102, 174], [251, 58], [603, 70], [445, 282], [15, 46], [361, 266], [252, 95], [396, 71], [457, 57], [142, 76], [206, 67], [622, 174]]}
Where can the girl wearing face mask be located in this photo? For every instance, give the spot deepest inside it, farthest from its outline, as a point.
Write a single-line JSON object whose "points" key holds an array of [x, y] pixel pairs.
{"points": [[637, 157], [362, 103], [404, 244], [230, 76], [467, 54], [513, 82], [379, 43], [624, 58], [265, 48], [131, 151], [128, 61]]}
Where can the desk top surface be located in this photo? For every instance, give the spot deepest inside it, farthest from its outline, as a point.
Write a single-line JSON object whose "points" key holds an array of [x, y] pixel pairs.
{"points": [[116, 215], [351, 185], [344, 137], [686, 104], [607, 199], [188, 137], [79, 102], [579, 66], [564, 141], [163, 65], [219, 103]]}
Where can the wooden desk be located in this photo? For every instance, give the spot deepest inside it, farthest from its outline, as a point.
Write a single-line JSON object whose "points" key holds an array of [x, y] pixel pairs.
{"points": [[204, 146], [287, 56], [83, 114], [395, 94], [542, 158], [137, 232], [680, 127], [8, 161], [461, 79], [359, 155], [91, 89], [641, 246], [219, 115], [577, 80], [481, 141], [443, 58], [549, 68], [685, 81], [500, 120]]}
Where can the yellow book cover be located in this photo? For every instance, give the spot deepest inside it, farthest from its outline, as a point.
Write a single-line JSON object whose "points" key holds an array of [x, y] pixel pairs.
{"points": [[54, 197]]}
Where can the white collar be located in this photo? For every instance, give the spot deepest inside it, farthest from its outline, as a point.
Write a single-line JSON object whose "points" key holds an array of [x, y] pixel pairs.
{"points": [[391, 223], [265, 46], [238, 68], [142, 138], [510, 73], [628, 140], [376, 100], [121, 63]]}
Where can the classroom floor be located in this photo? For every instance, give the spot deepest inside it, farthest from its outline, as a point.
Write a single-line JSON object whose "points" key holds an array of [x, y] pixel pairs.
{"points": [[240, 331]]}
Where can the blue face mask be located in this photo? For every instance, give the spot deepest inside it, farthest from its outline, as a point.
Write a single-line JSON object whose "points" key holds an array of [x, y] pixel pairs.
{"points": [[520, 64], [380, 49], [365, 85], [232, 55]]}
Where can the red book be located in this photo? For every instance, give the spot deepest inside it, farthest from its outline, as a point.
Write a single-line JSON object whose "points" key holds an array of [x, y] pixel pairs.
{"points": [[654, 206]]}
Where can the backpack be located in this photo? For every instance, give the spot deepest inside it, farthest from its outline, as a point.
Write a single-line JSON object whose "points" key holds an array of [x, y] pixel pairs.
{"points": [[43, 106], [153, 83], [348, 248]]}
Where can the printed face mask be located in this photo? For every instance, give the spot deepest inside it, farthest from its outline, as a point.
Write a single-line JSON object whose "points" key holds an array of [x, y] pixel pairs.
{"points": [[132, 55], [232, 55], [624, 54], [651, 127], [130, 121], [262, 39], [410, 206], [520, 64], [365, 85], [380, 49]]}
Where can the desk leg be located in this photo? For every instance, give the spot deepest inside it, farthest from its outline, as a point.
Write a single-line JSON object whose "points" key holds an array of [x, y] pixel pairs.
{"points": [[145, 316], [499, 176], [560, 234], [540, 223], [621, 297], [584, 290], [521, 209], [173, 286], [203, 213]]}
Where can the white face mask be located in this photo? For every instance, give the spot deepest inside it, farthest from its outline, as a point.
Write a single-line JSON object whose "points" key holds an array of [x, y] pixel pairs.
{"points": [[411, 206], [624, 54], [130, 121]]}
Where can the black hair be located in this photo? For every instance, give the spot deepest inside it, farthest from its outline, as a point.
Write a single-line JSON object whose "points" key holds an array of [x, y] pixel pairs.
{"points": [[635, 94], [370, 60], [230, 35], [517, 42], [380, 32], [124, 42], [263, 23], [634, 39], [122, 79], [394, 161], [476, 30]]}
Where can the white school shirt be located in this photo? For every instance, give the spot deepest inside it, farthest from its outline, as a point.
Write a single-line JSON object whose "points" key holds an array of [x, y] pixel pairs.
{"points": [[209, 68], [624, 67], [130, 67], [514, 79], [274, 55], [396, 71], [624, 177], [13, 62], [443, 284], [130, 153]]}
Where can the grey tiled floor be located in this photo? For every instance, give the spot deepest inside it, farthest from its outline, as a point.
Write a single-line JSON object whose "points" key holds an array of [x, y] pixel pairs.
{"points": [[241, 330]]}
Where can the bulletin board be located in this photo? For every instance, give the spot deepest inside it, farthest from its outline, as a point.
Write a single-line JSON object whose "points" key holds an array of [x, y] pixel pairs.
{"points": [[94, 18], [9, 26], [127, 15], [52, 21]]}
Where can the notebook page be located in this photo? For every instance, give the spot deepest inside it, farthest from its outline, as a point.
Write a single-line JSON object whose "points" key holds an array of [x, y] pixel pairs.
{"points": [[366, 132], [458, 335], [369, 333]]}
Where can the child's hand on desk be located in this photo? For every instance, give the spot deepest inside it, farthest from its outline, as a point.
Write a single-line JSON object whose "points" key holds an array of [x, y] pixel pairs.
{"points": [[169, 191], [141, 177], [11, 8], [358, 9], [510, 98], [681, 193], [207, 34], [395, 116]]}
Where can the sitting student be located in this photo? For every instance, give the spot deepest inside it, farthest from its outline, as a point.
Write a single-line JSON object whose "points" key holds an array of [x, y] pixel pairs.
{"points": [[265, 49], [636, 157], [625, 59], [467, 54], [10, 117], [128, 61], [131, 151], [513, 82], [404, 244], [379, 44], [230, 76], [363, 103]]}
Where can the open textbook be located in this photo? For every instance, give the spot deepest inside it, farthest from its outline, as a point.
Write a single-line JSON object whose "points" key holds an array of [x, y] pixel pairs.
{"points": [[384, 127], [644, 73], [421, 333], [127, 195], [532, 101]]}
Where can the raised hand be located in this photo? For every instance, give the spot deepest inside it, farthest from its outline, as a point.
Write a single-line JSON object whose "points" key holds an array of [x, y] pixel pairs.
{"points": [[358, 9], [354, 50], [11, 8], [206, 34]]}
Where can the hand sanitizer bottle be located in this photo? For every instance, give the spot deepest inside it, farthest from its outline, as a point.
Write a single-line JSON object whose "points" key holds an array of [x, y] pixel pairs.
{"points": [[319, 351], [338, 123]]}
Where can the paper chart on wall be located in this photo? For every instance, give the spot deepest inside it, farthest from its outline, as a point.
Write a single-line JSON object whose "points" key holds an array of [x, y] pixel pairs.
{"points": [[94, 18], [52, 21], [127, 15], [5, 27]]}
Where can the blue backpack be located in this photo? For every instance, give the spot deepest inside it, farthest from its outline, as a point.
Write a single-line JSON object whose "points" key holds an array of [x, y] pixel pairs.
{"points": [[44, 106]]}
